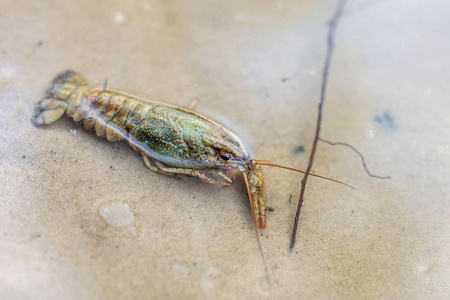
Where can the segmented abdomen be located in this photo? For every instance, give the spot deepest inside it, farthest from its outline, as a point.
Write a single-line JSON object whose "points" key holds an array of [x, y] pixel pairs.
{"points": [[109, 113]]}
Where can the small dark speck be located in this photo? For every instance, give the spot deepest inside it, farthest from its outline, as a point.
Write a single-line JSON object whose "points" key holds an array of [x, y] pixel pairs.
{"points": [[353, 211], [24, 156], [284, 79], [386, 120], [39, 44], [328, 268], [299, 149], [38, 235]]}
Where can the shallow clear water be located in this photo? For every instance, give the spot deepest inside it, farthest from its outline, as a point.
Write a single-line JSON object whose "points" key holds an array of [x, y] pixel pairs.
{"points": [[82, 215]]}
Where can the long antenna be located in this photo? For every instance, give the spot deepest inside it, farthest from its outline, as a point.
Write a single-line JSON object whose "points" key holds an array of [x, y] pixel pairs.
{"points": [[266, 270], [269, 163]]}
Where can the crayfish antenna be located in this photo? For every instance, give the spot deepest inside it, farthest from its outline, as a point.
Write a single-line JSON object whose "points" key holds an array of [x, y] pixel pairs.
{"points": [[269, 163], [257, 222]]}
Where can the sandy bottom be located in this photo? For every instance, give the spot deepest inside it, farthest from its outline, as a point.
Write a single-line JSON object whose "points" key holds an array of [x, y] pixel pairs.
{"points": [[83, 218]]}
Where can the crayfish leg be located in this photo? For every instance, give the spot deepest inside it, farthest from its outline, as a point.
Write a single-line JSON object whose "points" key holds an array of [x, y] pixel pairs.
{"points": [[205, 175]]}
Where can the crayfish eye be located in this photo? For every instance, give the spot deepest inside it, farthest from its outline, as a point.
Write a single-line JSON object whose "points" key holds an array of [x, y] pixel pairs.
{"points": [[225, 155]]}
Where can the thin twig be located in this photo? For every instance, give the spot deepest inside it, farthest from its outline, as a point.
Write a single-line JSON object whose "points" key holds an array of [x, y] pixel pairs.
{"points": [[330, 45], [360, 155]]}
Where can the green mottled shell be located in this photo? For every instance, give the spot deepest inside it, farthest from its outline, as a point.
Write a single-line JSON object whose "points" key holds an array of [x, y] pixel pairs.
{"points": [[172, 135]]}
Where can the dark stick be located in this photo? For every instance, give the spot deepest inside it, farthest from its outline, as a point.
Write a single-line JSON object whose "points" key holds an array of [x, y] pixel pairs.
{"points": [[330, 45]]}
